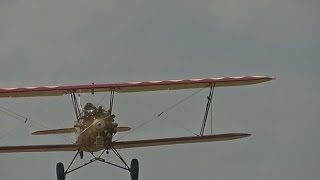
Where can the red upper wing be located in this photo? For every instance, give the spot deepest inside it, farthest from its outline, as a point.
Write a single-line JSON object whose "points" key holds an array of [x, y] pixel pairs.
{"points": [[132, 86]]}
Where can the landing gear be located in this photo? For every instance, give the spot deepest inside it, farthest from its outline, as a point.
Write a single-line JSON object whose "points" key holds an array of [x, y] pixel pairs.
{"points": [[60, 171], [134, 169]]}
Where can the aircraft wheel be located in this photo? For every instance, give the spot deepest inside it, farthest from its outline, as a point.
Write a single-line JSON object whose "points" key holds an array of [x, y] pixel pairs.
{"points": [[81, 154], [134, 169], [60, 171]]}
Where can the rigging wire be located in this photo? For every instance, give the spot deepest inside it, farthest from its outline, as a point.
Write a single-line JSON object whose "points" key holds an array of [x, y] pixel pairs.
{"points": [[102, 99], [161, 114], [11, 113], [187, 129], [5, 134], [28, 121]]}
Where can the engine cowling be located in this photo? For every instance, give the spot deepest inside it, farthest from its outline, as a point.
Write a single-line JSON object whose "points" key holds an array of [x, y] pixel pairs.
{"points": [[100, 125], [105, 124]]}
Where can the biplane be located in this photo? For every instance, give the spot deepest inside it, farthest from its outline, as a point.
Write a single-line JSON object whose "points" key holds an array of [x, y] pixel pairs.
{"points": [[95, 127]]}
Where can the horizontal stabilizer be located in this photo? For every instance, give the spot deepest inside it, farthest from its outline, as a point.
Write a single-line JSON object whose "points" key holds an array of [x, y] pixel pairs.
{"points": [[71, 130], [123, 129], [55, 131]]}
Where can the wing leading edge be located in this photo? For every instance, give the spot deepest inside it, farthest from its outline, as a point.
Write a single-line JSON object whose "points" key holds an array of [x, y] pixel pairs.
{"points": [[127, 144], [132, 86]]}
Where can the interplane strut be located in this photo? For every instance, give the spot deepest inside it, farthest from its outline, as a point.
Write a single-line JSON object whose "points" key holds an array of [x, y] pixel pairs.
{"points": [[209, 104], [76, 105]]}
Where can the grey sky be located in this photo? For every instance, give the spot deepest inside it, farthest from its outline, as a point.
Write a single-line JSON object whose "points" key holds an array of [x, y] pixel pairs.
{"points": [[77, 41]]}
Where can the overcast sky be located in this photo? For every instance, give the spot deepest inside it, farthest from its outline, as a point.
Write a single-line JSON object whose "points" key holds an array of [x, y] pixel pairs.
{"points": [[79, 42]]}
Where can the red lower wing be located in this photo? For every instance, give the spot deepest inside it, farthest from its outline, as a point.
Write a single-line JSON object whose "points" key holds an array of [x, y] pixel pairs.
{"points": [[39, 148], [126, 144], [178, 140]]}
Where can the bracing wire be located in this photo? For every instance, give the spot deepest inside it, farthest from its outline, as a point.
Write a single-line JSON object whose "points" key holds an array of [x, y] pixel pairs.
{"points": [[187, 129], [11, 113], [28, 121], [161, 114], [102, 99]]}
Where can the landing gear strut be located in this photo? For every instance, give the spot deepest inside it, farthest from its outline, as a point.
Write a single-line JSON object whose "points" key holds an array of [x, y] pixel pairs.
{"points": [[133, 169]]}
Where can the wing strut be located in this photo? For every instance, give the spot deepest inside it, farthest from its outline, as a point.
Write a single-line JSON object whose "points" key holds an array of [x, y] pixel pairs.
{"points": [[209, 97], [76, 105], [111, 100]]}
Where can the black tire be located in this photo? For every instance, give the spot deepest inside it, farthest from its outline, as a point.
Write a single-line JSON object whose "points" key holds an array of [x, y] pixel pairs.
{"points": [[81, 154], [134, 169], [60, 171]]}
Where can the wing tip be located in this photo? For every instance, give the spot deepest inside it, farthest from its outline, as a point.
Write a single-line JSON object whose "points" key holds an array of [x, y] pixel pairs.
{"points": [[244, 135], [232, 136]]}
